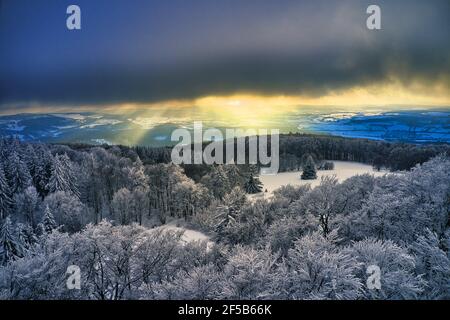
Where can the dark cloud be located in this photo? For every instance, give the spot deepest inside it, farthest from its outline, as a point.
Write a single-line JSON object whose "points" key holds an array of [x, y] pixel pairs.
{"points": [[143, 51]]}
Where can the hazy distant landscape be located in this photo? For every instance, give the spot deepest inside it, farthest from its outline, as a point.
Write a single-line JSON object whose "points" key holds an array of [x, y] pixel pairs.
{"points": [[154, 129]]}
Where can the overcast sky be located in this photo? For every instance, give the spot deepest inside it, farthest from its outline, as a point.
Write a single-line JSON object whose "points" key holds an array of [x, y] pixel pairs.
{"points": [[141, 51]]}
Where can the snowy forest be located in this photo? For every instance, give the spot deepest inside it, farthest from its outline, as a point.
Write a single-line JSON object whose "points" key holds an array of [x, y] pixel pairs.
{"points": [[104, 208]]}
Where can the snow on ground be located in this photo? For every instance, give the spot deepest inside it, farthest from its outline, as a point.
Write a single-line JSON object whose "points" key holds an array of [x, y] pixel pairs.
{"points": [[101, 122], [73, 116], [102, 141], [342, 169], [189, 235], [14, 126]]}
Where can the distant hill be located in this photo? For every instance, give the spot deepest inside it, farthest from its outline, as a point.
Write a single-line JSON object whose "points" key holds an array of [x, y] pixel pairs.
{"points": [[417, 126]]}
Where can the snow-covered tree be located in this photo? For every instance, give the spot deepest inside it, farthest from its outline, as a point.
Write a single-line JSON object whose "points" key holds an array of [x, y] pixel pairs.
{"points": [[67, 210], [235, 175], [317, 269], [433, 264], [291, 193], [27, 236], [63, 177], [17, 173], [235, 199], [29, 156], [228, 213], [183, 204], [42, 164], [198, 283], [26, 205], [130, 206], [124, 262], [253, 185], [309, 170], [122, 206], [188, 198], [48, 221], [246, 274], [141, 204], [42, 274], [136, 176], [5, 195], [398, 279], [320, 202], [10, 246], [282, 233], [403, 207], [217, 182]]}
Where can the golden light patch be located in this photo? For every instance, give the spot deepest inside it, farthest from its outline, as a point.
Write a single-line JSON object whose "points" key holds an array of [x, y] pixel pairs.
{"points": [[385, 95], [248, 111], [256, 107]]}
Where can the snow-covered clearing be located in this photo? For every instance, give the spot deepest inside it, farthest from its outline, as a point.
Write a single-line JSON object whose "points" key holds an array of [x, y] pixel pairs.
{"points": [[342, 169], [189, 235]]}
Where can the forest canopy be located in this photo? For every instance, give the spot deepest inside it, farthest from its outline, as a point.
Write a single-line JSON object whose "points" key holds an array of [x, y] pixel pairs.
{"points": [[101, 208]]}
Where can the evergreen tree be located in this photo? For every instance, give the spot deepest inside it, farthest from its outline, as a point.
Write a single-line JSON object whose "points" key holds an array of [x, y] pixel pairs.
{"points": [[309, 170], [63, 176], [253, 185], [48, 221], [235, 174], [5, 198], [217, 182], [229, 212], [42, 169], [225, 217], [29, 156], [26, 235], [17, 173], [10, 246]]}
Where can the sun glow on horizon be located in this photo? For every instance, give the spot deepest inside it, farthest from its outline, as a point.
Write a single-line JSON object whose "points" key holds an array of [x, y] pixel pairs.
{"points": [[248, 104], [255, 110], [255, 105]]}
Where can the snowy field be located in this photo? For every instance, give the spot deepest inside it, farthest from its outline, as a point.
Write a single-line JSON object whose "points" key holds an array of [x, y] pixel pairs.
{"points": [[342, 169], [189, 235]]}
